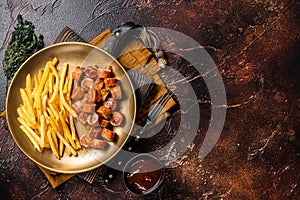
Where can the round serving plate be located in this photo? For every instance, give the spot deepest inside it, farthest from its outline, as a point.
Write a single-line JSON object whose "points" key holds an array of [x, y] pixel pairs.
{"points": [[75, 54]]}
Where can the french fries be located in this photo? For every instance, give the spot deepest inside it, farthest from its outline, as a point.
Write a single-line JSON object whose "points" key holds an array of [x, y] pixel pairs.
{"points": [[46, 116]]}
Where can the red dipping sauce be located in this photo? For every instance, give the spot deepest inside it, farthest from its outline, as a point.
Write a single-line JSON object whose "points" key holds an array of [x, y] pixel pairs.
{"points": [[143, 174]]}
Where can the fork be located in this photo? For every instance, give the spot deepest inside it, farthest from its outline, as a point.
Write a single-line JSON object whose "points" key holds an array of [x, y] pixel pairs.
{"points": [[90, 175], [155, 111], [152, 116]]}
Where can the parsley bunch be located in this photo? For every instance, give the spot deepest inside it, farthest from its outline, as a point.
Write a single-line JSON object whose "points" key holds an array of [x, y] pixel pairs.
{"points": [[21, 46]]}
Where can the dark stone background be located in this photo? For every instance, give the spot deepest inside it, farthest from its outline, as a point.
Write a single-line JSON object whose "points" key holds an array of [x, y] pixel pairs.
{"points": [[255, 45]]}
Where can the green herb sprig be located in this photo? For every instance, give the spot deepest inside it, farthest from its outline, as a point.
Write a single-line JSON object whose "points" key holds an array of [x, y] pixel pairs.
{"points": [[23, 43]]}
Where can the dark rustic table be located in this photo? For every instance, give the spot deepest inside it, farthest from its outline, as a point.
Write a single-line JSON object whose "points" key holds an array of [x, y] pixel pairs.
{"points": [[255, 45]]}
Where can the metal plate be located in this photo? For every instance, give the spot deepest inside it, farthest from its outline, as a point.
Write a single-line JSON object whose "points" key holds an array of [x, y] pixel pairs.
{"points": [[74, 53]]}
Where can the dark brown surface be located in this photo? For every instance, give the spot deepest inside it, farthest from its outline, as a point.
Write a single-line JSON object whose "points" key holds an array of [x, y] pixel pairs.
{"points": [[255, 45]]}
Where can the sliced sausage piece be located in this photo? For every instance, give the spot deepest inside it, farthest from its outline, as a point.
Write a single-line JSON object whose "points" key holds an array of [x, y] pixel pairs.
{"points": [[93, 119], [85, 140], [116, 119], [104, 72], [108, 134], [104, 93], [82, 118], [98, 96], [91, 95], [91, 71], [95, 132], [77, 93], [116, 92], [110, 82], [76, 74], [89, 107], [99, 144], [105, 112], [77, 106], [104, 123], [110, 103], [99, 83], [87, 83]]}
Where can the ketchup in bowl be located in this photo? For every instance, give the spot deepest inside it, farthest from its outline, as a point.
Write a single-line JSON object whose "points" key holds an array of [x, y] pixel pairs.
{"points": [[143, 174]]}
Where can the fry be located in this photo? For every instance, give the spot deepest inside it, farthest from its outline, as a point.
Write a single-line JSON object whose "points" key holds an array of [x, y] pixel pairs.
{"points": [[46, 89], [54, 111], [61, 148], [32, 133], [70, 88], [43, 79], [68, 151], [25, 97], [28, 105], [69, 147], [66, 116], [66, 130], [53, 123], [38, 103], [77, 143], [36, 82], [62, 99], [43, 130], [40, 75], [55, 140], [24, 116], [45, 115], [33, 141], [65, 87], [43, 75], [27, 116], [53, 148], [28, 88], [72, 127], [55, 61], [56, 88], [49, 111], [50, 84], [44, 105]]}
